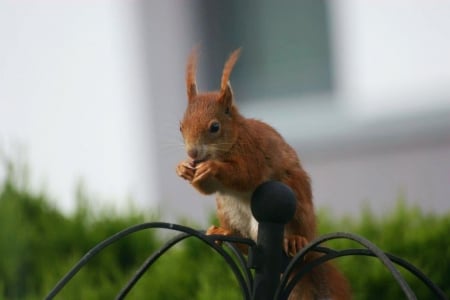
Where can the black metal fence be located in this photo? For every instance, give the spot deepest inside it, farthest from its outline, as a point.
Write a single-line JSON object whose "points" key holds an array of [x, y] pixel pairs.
{"points": [[273, 205]]}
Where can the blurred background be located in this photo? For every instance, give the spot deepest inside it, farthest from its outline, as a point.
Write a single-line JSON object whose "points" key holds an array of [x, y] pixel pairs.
{"points": [[91, 94]]}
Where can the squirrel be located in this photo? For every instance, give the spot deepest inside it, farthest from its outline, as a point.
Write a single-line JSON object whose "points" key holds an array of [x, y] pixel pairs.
{"points": [[231, 155]]}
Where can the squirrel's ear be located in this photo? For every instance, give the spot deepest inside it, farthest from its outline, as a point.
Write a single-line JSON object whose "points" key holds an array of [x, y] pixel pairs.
{"points": [[226, 93], [191, 83], [227, 68], [226, 96]]}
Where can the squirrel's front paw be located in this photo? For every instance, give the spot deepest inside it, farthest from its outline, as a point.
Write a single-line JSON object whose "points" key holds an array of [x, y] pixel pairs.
{"points": [[186, 170], [205, 170]]}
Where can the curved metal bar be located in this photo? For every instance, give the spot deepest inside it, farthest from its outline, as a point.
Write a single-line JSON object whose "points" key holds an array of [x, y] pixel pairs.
{"points": [[169, 244], [92, 252], [369, 245], [238, 263], [114, 238], [242, 261], [148, 262], [399, 261], [230, 242], [419, 274], [332, 254]]}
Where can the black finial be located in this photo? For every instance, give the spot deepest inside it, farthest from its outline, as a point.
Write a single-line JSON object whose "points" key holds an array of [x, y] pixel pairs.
{"points": [[273, 201]]}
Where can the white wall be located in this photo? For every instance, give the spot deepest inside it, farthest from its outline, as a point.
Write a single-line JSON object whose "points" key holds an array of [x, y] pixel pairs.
{"points": [[91, 93], [389, 134], [392, 57], [71, 98]]}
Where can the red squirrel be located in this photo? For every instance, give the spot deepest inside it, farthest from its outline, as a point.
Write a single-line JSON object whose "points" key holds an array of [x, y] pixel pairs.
{"points": [[230, 155]]}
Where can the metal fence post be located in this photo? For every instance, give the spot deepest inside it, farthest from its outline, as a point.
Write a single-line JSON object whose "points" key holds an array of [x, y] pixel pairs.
{"points": [[273, 204]]}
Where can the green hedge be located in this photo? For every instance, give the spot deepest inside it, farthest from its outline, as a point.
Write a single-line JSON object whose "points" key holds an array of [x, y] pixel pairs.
{"points": [[408, 232], [38, 245]]}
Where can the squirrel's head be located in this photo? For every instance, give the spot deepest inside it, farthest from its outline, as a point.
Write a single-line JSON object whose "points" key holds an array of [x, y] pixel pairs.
{"points": [[209, 126]]}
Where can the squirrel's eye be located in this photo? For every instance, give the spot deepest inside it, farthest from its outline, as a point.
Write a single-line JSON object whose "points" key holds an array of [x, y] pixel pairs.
{"points": [[214, 127]]}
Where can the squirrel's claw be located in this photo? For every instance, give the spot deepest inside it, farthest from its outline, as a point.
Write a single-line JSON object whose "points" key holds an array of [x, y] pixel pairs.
{"points": [[186, 170], [203, 171], [292, 244], [215, 230]]}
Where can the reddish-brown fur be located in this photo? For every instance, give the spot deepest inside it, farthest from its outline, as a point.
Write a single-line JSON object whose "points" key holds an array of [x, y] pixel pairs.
{"points": [[234, 160]]}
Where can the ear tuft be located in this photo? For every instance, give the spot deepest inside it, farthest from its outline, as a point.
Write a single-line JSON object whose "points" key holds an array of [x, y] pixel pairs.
{"points": [[191, 69], [226, 95], [228, 67]]}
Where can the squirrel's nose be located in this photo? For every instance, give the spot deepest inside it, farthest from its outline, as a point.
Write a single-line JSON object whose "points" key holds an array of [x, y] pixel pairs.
{"points": [[193, 153]]}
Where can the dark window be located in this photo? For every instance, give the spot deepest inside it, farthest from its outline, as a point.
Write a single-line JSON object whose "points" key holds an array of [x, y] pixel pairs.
{"points": [[286, 48]]}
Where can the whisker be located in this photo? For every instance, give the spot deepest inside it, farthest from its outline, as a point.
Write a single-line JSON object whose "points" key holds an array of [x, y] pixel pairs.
{"points": [[224, 145], [172, 146], [172, 143]]}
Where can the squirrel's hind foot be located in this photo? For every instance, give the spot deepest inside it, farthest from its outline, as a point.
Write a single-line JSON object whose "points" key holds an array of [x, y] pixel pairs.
{"points": [[292, 244]]}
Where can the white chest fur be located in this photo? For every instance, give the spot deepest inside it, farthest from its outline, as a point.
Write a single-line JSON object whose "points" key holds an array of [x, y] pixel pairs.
{"points": [[236, 209]]}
